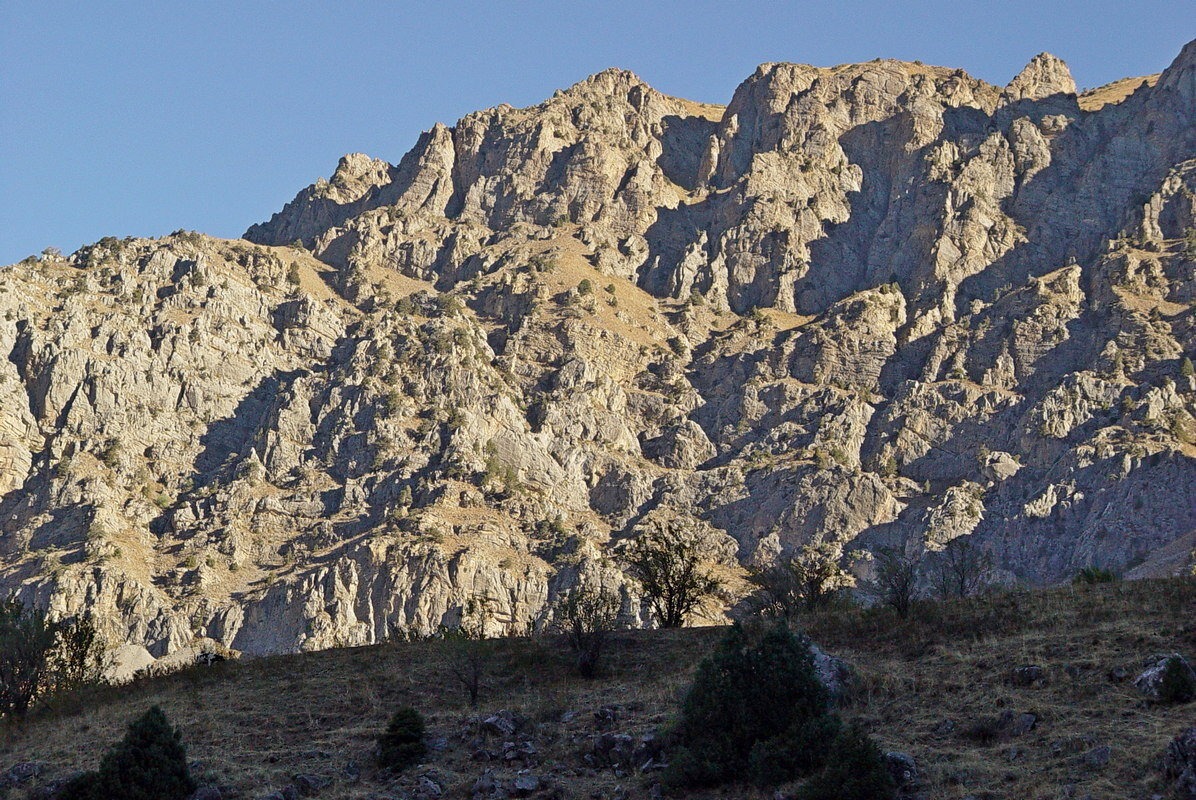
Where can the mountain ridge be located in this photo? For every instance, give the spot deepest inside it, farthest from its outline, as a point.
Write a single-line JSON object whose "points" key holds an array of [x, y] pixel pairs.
{"points": [[881, 304]]}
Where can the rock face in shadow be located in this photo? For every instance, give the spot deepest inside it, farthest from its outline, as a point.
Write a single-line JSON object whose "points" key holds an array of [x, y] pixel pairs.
{"points": [[885, 304]]}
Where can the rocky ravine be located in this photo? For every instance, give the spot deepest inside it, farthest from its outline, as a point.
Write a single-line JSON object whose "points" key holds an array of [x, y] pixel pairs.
{"points": [[881, 303]]}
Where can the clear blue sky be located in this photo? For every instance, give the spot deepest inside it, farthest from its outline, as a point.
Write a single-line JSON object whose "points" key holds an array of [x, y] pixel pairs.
{"points": [[123, 118]]}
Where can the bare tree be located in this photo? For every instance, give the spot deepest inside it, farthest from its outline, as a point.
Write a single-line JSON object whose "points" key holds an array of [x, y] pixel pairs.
{"points": [[895, 580], [585, 618], [468, 651], [959, 568], [669, 564], [804, 582]]}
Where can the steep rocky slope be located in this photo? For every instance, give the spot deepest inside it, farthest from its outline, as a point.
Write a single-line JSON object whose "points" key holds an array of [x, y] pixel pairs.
{"points": [[876, 304]]}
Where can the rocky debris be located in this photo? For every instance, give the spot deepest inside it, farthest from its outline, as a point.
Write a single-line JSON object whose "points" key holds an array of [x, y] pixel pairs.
{"points": [[503, 724], [485, 785], [525, 785], [904, 770], [1179, 765], [876, 302], [833, 673], [310, 785], [208, 793], [20, 774], [606, 717], [624, 753], [428, 788], [1150, 680], [1028, 675]]}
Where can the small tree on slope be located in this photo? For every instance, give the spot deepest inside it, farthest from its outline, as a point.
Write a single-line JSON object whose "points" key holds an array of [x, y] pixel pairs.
{"points": [[150, 763]]}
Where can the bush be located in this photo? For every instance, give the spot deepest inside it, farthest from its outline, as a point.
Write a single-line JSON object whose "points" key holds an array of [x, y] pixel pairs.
{"points": [[895, 583], [807, 581], [40, 657], [26, 640], [754, 710], [150, 763], [1177, 684], [960, 568], [586, 617], [800, 750], [855, 770], [402, 745], [1090, 576]]}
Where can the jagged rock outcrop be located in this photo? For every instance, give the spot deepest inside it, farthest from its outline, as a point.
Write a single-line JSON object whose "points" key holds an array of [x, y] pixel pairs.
{"points": [[879, 304]]}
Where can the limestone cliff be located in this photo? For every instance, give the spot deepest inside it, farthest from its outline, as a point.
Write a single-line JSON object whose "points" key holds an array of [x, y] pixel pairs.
{"points": [[882, 303]]}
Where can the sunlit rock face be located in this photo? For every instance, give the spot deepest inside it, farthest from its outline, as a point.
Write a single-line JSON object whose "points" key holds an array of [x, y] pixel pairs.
{"points": [[881, 304]]}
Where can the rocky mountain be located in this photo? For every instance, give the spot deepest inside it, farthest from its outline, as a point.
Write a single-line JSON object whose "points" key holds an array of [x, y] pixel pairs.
{"points": [[880, 304]]}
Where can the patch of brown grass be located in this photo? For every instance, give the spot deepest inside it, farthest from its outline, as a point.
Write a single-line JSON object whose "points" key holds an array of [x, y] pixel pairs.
{"points": [[923, 683]]}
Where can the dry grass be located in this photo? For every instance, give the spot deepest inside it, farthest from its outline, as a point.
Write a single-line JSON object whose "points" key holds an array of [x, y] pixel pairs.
{"points": [[1113, 93], [255, 724]]}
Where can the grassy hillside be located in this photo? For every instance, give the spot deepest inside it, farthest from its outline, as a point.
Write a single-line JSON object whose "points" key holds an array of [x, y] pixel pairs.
{"points": [[933, 687]]}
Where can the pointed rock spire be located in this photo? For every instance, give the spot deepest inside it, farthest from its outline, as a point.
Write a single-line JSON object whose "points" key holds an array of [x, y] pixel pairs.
{"points": [[1044, 76]]}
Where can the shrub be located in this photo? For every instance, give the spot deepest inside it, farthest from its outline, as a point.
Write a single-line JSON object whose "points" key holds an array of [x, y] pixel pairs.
{"points": [[806, 581], [402, 744], [586, 617], [1090, 576], [39, 657], [1177, 684], [468, 653], [800, 750], [585, 287], [150, 763], [754, 710], [855, 770], [960, 568], [26, 640], [896, 580]]}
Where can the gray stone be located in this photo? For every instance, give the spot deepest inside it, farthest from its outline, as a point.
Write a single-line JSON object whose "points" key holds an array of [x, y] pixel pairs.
{"points": [[1150, 680]]}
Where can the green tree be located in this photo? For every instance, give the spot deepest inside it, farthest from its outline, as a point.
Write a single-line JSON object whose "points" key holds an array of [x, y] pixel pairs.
{"points": [[804, 582], [959, 569], [402, 744], [40, 656], [669, 564], [26, 643], [150, 763], [855, 770], [895, 580], [755, 709]]}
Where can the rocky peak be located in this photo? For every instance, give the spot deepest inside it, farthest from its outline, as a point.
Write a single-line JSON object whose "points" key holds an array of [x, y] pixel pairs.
{"points": [[1180, 77], [1044, 76], [862, 305], [609, 81], [356, 174]]}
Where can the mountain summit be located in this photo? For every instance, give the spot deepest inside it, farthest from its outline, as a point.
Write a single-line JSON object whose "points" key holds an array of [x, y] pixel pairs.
{"points": [[871, 305]]}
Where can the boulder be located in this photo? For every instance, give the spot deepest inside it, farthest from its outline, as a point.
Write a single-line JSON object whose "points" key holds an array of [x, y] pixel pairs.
{"points": [[1179, 764], [1150, 681]]}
